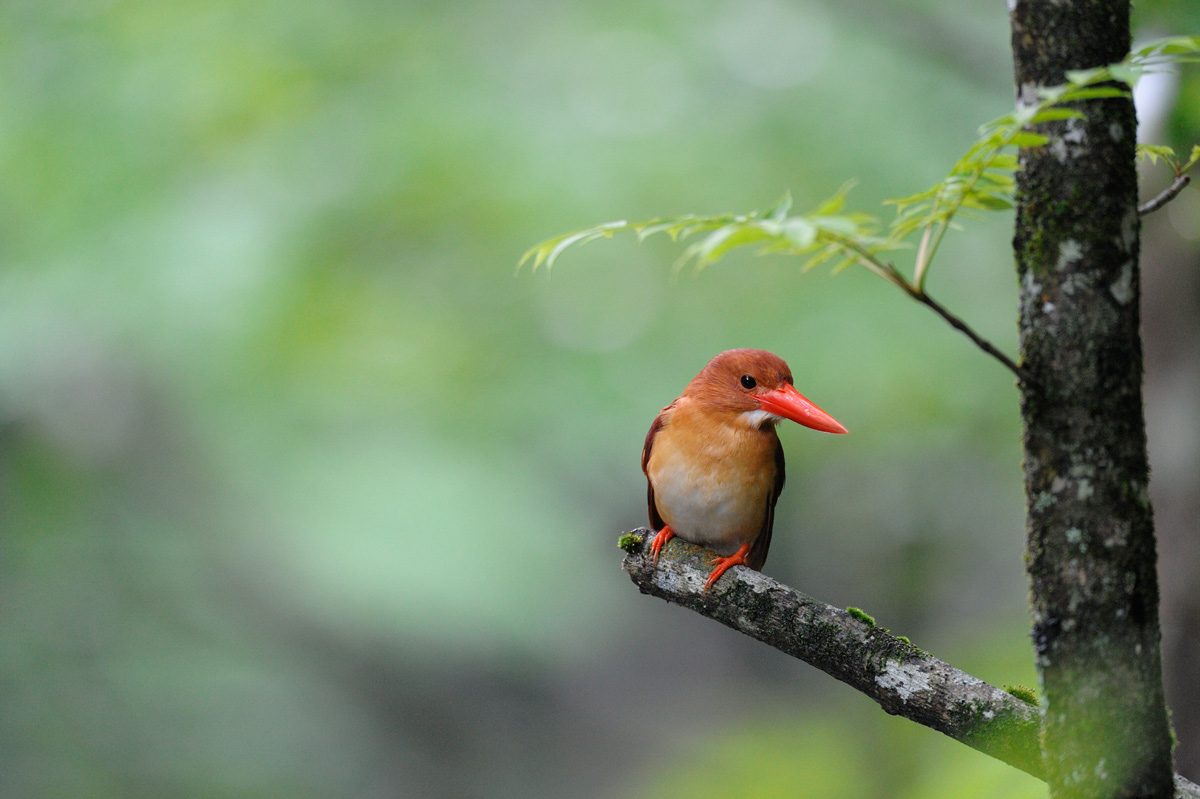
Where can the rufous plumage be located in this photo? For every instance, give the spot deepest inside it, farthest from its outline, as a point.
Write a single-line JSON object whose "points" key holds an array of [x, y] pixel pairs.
{"points": [[713, 461]]}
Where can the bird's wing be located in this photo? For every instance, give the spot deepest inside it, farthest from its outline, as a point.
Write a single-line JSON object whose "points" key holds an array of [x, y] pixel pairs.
{"points": [[757, 556], [656, 520]]}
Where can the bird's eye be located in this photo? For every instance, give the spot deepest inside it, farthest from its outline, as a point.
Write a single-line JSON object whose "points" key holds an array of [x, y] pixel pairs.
{"points": [[748, 381]]}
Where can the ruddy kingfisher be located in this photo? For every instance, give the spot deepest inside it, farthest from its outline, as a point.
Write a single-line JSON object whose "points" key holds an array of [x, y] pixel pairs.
{"points": [[713, 461]]}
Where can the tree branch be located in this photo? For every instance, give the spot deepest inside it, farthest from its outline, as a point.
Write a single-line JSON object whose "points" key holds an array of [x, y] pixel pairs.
{"points": [[1165, 196], [958, 324], [904, 680], [888, 271]]}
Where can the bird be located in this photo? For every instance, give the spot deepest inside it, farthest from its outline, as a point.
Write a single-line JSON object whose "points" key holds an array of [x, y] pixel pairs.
{"points": [[713, 462]]}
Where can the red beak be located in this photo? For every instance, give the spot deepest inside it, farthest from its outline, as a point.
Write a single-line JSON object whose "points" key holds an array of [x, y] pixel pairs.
{"points": [[787, 402]]}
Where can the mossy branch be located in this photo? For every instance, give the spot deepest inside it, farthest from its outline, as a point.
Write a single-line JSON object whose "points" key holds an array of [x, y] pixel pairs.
{"points": [[903, 679]]}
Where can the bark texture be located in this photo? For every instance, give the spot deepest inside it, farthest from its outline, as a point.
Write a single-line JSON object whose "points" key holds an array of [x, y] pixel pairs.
{"points": [[903, 679], [1090, 533]]}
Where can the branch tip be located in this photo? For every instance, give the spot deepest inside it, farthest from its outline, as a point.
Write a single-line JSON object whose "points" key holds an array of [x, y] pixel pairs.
{"points": [[1165, 196]]}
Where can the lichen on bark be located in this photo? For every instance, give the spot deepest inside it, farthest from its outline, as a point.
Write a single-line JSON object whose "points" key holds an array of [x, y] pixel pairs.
{"points": [[903, 679], [1090, 534]]}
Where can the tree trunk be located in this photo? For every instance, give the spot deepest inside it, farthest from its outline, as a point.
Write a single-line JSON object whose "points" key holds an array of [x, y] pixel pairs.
{"points": [[1090, 533]]}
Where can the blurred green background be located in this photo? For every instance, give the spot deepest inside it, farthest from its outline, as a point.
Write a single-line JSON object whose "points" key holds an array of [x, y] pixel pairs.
{"points": [[304, 494]]}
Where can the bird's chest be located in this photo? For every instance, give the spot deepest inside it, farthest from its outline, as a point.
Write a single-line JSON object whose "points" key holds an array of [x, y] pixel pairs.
{"points": [[714, 490]]}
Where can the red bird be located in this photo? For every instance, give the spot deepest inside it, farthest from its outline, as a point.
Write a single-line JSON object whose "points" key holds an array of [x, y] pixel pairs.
{"points": [[713, 462]]}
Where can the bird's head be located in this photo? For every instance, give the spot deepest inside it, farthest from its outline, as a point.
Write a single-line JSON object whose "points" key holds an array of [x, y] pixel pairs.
{"points": [[757, 386]]}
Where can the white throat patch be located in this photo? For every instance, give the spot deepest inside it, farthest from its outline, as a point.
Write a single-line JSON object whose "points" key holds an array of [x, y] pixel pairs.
{"points": [[760, 419]]}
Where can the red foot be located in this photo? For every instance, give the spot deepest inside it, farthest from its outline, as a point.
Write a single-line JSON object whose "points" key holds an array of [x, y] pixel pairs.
{"points": [[660, 540], [724, 564]]}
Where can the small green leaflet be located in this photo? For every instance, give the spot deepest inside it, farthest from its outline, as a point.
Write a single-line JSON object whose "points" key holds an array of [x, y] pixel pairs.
{"points": [[1153, 152], [772, 230]]}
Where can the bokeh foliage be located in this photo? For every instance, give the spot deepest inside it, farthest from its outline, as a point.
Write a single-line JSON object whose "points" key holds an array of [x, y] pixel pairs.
{"points": [[303, 494]]}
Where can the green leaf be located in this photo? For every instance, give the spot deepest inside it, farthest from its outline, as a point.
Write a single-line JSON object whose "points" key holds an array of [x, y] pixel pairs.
{"points": [[581, 238], [1126, 73], [1098, 93], [648, 229], [835, 203], [846, 226], [800, 233], [1152, 152], [1001, 180], [740, 235], [1175, 45], [548, 251], [987, 202], [685, 229], [903, 202], [1085, 77], [780, 209], [1049, 95], [713, 246], [823, 255], [1027, 139], [1055, 114], [845, 263]]}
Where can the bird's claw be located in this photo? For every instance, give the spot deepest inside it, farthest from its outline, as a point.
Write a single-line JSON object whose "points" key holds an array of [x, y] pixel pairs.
{"points": [[660, 540], [722, 565]]}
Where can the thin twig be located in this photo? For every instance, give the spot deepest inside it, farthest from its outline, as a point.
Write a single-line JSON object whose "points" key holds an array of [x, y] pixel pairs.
{"points": [[888, 271], [1164, 197], [961, 326]]}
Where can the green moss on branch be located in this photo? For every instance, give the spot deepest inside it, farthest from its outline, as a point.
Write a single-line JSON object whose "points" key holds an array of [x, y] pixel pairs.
{"points": [[847, 645]]}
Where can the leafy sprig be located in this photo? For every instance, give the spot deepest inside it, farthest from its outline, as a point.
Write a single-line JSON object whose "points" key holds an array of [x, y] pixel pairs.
{"points": [[1152, 153], [824, 231], [981, 180]]}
